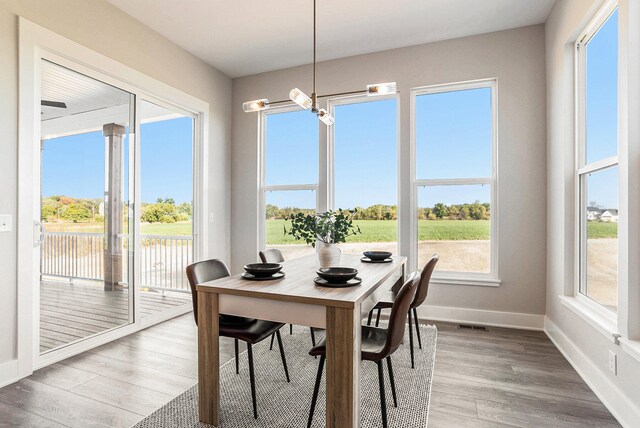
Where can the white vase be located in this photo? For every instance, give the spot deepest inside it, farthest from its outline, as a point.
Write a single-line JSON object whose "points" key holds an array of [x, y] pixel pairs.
{"points": [[328, 254]]}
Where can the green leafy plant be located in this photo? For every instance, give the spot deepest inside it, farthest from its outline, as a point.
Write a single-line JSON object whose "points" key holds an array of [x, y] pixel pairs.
{"points": [[331, 227], [76, 213]]}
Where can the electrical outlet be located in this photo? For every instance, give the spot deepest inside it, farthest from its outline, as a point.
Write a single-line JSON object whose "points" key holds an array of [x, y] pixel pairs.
{"points": [[613, 362], [5, 223], [211, 216]]}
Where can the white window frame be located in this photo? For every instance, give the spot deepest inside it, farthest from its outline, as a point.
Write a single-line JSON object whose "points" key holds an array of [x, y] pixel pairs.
{"points": [[38, 43], [583, 169], [263, 187], [334, 102], [450, 277]]}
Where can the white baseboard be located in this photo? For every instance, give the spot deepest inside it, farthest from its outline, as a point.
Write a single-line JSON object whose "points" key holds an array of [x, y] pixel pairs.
{"points": [[8, 372], [481, 317], [620, 406]]}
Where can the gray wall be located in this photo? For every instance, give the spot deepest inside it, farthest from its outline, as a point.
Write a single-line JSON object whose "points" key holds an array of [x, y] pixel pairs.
{"points": [[516, 58], [584, 345], [105, 29]]}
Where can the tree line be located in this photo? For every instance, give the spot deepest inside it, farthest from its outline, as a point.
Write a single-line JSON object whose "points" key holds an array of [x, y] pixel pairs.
{"points": [[71, 210], [165, 211], [440, 211], [87, 210]]}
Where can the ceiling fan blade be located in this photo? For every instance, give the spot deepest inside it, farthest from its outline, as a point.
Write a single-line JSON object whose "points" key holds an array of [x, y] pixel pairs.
{"points": [[56, 104]]}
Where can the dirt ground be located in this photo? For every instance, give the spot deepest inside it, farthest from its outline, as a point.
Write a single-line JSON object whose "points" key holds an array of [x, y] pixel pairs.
{"points": [[460, 256], [602, 275], [473, 256]]}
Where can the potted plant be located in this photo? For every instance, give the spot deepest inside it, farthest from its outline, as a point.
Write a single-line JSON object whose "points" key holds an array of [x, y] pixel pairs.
{"points": [[326, 229]]}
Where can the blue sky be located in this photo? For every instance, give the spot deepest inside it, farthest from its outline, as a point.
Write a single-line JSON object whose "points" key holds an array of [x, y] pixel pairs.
{"points": [[166, 160], [602, 111], [454, 134], [365, 154], [365, 135], [602, 92], [292, 150], [74, 166], [453, 140]]}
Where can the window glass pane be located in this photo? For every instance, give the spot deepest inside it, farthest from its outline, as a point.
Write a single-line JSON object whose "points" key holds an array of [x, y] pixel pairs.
{"points": [[365, 172], [602, 92], [601, 282], [454, 134], [279, 205], [291, 148], [85, 200], [454, 221], [166, 212], [166, 145]]}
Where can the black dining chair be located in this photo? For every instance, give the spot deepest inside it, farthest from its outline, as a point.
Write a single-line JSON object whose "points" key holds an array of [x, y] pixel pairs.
{"points": [[248, 330], [273, 255], [387, 302], [378, 344]]}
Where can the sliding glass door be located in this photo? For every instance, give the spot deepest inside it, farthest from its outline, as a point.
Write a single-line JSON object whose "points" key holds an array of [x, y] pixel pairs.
{"points": [[116, 208], [166, 208], [84, 207]]}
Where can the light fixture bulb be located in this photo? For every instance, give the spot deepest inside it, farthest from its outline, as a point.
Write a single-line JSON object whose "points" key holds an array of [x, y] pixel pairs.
{"points": [[324, 116], [300, 98], [255, 105], [381, 89]]}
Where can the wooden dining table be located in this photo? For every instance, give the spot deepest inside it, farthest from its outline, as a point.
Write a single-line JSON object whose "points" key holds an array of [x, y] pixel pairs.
{"points": [[296, 299]]}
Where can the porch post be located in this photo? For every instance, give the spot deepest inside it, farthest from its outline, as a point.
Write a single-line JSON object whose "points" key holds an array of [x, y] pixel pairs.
{"points": [[113, 207]]}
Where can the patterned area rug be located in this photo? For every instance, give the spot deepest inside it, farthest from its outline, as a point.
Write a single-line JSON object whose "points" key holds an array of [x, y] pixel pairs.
{"points": [[282, 404]]}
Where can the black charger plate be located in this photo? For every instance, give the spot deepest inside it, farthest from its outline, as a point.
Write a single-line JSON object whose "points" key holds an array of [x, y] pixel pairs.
{"points": [[250, 277], [350, 283], [368, 260]]}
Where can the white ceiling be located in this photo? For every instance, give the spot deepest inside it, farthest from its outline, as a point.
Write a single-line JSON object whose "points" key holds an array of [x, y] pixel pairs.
{"points": [[243, 37], [90, 104], [80, 93]]}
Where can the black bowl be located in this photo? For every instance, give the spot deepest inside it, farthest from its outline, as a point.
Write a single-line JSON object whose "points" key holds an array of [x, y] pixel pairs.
{"points": [[337, 275], [377, 255], [263, 270]]}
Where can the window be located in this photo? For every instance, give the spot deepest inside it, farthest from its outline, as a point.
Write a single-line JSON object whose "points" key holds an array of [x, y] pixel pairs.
{"points": [[597, 154], [364, 171], [289, 175], [455, 146]]}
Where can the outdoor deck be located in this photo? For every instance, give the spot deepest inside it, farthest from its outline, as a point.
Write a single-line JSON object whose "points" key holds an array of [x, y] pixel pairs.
{"points": [[70, 312]]}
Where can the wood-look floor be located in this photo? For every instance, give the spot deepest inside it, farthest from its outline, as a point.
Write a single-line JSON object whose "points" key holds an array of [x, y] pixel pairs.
{"points": [[71, 312], [506, 377], [482, 379]]}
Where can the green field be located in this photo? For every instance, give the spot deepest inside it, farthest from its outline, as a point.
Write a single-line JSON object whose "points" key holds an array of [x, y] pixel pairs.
{"points": [[372, 230], [386, 231], [428, 230], [596, 230]]}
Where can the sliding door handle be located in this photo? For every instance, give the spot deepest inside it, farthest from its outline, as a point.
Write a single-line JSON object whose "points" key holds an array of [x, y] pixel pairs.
{"points": [[38, 230]]}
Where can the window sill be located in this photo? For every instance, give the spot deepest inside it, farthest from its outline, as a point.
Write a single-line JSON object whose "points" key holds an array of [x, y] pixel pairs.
{"points": [[631, 347], [450, 280], [604, 324]]}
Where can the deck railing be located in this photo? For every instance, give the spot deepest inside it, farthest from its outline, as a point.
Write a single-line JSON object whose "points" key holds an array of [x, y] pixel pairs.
{"points": [[164, 260], [75, 255]]}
